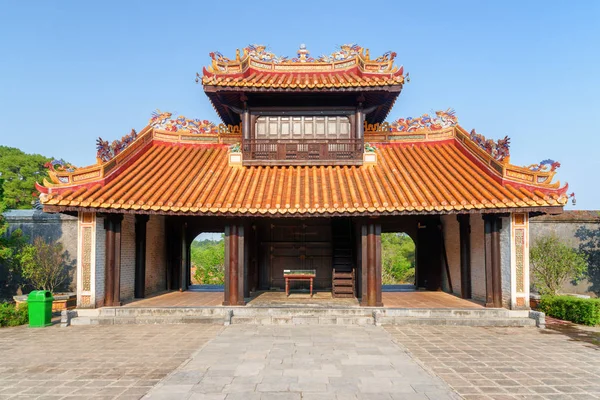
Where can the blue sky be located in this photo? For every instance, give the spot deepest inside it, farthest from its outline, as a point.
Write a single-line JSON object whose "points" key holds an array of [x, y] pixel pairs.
{"points": [[72, 71]]}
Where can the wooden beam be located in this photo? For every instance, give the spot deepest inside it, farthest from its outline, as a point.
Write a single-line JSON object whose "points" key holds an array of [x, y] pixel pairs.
{"points": [[465, 255], [112, 260], [493, 277], [235, 265], [371, 264], [140, 256]]}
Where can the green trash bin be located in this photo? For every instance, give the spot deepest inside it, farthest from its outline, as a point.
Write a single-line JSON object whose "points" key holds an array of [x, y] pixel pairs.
{"points": [[39, 303]]}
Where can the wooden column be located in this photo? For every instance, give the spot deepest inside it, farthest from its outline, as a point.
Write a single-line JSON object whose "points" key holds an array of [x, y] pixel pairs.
{"points": [[493, 283], [112, 254], [140, 256], [246, 129], [371, 264], [360, 121], [234, 265], [183, 271], [465, 255]]}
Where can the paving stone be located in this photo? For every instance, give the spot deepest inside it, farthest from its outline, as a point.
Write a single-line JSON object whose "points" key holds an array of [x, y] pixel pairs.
{"points": [[498, 363]]}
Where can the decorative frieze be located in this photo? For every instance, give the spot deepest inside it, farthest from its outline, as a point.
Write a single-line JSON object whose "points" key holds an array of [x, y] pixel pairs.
{"points": [[520, 260], [86, 265]]}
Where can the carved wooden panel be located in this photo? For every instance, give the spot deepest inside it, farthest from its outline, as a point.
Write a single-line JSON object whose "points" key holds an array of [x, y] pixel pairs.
{"points": [[303, 127]]}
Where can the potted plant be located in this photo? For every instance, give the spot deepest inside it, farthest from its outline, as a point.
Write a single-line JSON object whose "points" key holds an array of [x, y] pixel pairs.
{"points": [[44, 266]]}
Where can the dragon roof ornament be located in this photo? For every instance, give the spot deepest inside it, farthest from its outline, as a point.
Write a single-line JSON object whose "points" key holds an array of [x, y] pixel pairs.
{"points": [[442, 120], [106, 151], [545, 165], [60, 165], [499, 149], [258, 56], [164, 120]]}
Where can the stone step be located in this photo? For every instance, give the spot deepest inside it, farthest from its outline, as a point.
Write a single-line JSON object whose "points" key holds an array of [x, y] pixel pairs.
{"points": [[152, 320], [498, 322], [447, 312], [303, 320], [303, 316], [162, 311]]}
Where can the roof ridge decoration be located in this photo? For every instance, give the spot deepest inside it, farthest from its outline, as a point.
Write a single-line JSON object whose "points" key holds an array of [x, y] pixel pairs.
{"points": [[259, 57], [498, 149], [60, 166], [106, 151], [444, 119], [164, 120], [544, 165]]}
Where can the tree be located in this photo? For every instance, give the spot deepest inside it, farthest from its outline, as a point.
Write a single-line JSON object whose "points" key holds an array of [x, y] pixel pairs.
{"points": [[397, 258], [44, 264], [20, 171], [208, 256], [553, 263], [10, 248], [590, 246]]}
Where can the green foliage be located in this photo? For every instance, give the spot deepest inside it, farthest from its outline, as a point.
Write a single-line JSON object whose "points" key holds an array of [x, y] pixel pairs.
{"points": [[398, 258], [590, 246], [11, 315], [553, 263], [44, 264], [574, 309], [20, 171], [11, 246], [208, 256]]}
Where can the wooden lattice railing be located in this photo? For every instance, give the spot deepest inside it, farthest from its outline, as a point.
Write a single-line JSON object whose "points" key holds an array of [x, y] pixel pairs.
{"points": [[305, 152]]}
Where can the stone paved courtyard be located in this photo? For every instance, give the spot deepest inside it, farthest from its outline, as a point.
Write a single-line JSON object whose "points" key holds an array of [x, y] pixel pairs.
{"points": [[295, 362], [302, 362], [506, 363], [99, 362]]}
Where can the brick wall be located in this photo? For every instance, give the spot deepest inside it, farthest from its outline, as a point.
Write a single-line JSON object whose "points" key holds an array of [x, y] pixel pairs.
{"points": [[127, 257], [477, 258], [58, 228], [574, 228], [100, 241], [452, 244], [505, 262], [156, 257]]}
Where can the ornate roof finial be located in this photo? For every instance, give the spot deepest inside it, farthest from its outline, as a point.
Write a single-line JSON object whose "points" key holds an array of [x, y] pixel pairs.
{"points": [[303, 53]]}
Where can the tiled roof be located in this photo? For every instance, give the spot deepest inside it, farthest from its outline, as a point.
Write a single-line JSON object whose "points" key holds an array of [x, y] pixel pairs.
{"points": [[257, 68], [308, 80], [420, 177]]}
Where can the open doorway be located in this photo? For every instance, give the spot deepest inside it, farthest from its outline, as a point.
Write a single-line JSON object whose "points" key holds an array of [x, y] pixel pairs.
{"points": [[398, 260], [207, 261]]}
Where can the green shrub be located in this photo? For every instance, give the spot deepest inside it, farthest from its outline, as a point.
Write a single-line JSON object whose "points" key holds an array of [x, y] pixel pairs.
{"points": [[574, 309], [553, 263], [11, 315]]}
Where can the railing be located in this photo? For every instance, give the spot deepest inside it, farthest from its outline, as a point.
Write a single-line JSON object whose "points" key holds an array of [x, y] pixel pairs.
{"points": [[303, 152]]}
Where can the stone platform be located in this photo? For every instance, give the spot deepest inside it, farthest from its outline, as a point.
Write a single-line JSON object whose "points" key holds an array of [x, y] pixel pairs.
{"points": [[275, 308]]}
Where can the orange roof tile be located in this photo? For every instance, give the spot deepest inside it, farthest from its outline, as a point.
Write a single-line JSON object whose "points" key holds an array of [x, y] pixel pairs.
{"points": [[416, 177]]}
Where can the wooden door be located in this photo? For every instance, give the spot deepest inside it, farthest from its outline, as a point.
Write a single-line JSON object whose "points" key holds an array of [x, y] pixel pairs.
{"points": [[296, 244]]}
